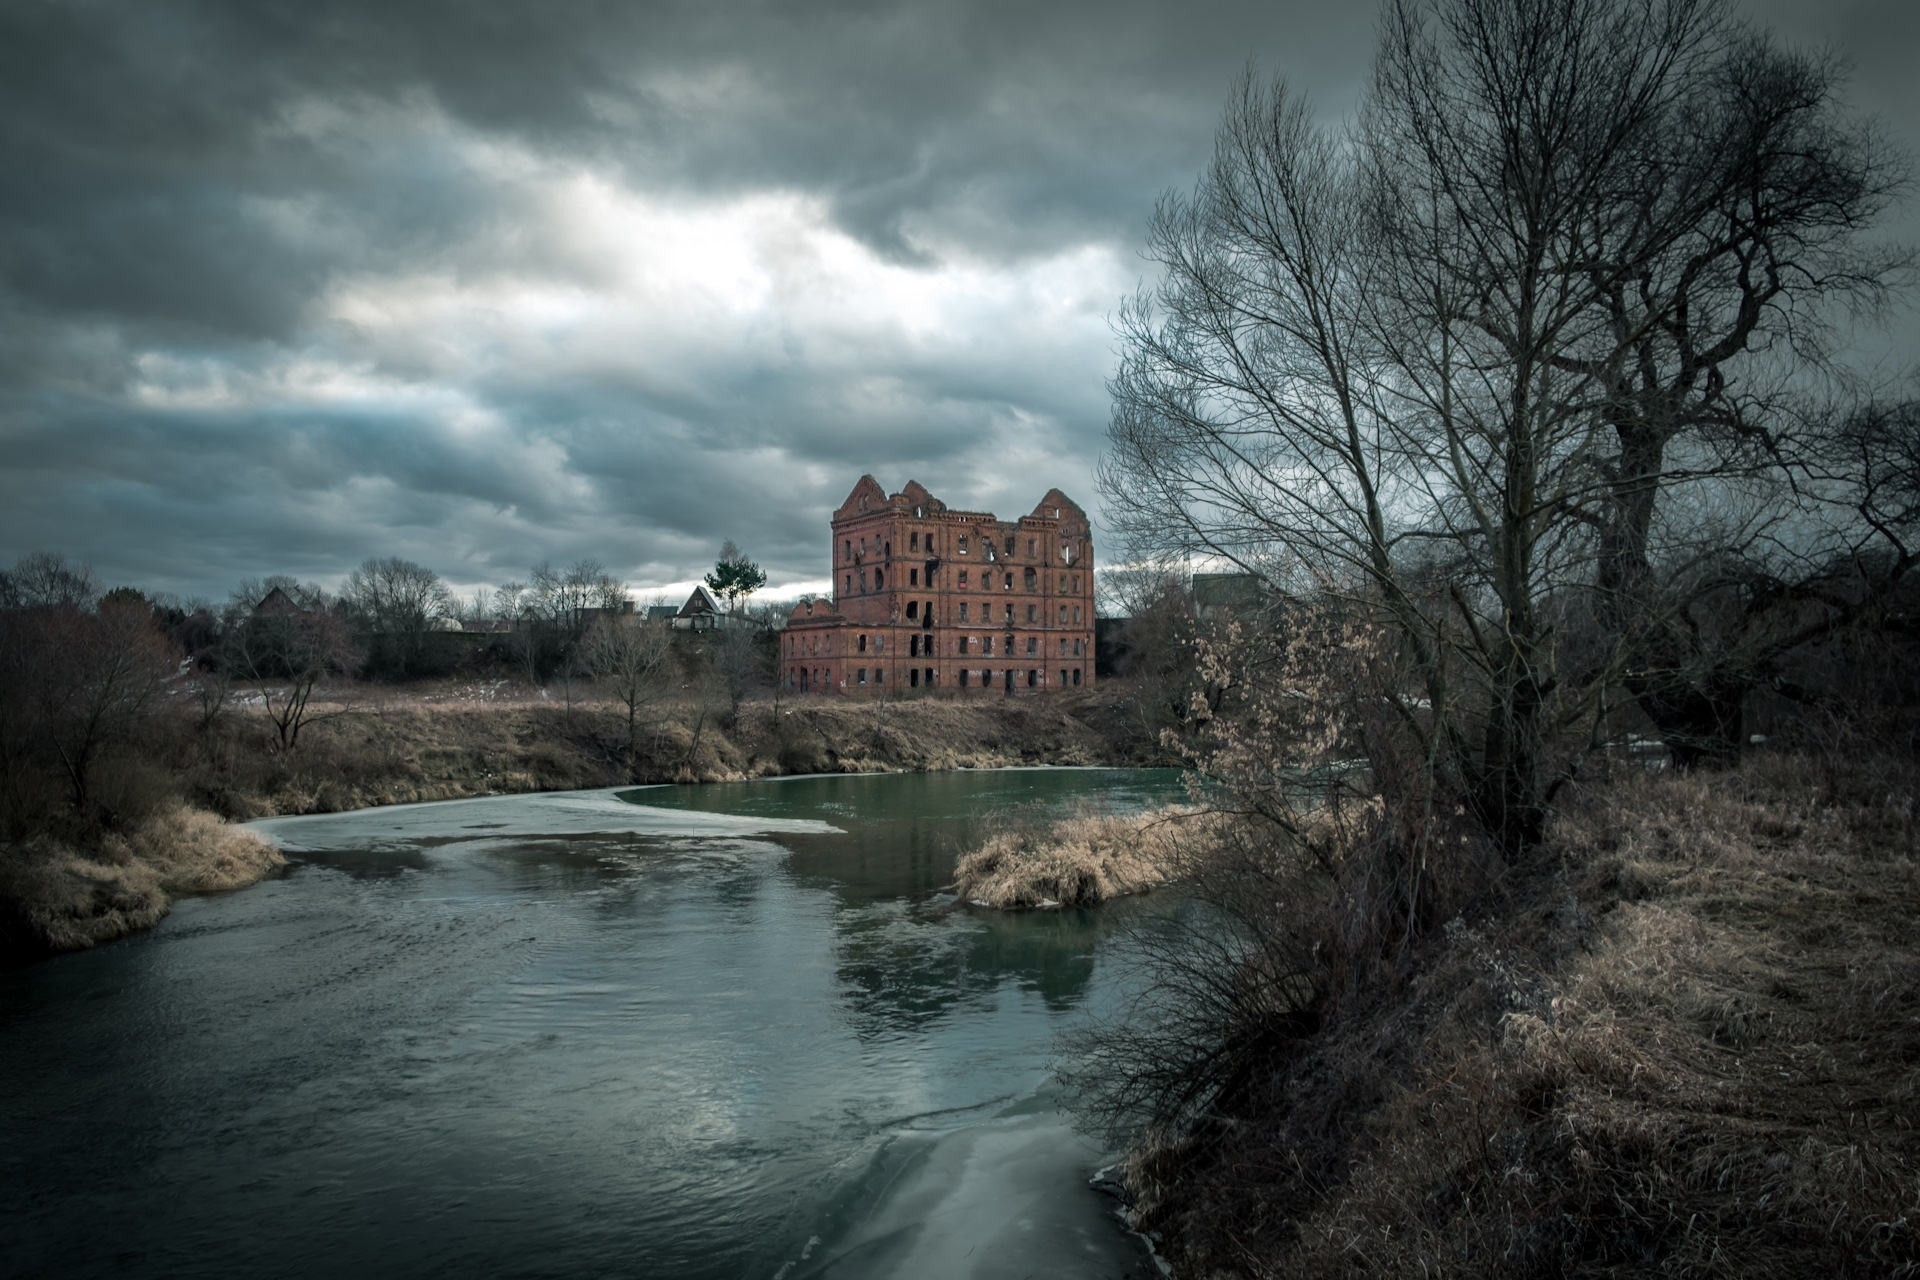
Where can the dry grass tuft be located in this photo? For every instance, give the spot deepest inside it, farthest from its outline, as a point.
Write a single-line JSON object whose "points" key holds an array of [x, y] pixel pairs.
{"points": [[61, 898], [1085, 859]]}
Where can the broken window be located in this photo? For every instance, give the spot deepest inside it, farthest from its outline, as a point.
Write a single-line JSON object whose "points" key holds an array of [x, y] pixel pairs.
{"points": [[848, 544], [1030, 546], [1009, 583], [913, 542], [1009, 615], [929, 678], [863, 644], [1009, 544], [963, 607], [962, 547], [1063, 615], [963, 582], [863, 675], [1063, 653], [879, 579], [913, 577], [1033, 580], [986, 645], [1033, 613], [913, 608], [1076, 675], [1032, 641]]}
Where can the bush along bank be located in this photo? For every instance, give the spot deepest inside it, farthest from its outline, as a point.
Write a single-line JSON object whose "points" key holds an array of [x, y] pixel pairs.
{"points": [[1678, 1039]]}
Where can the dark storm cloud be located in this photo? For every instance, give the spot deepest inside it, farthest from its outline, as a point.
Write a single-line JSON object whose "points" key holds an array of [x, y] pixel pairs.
{"points": [[287, 284]]}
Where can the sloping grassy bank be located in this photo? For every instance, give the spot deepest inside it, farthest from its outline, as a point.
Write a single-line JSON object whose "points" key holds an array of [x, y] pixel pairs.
{"points": [[1685, 1040], [162, 835]]}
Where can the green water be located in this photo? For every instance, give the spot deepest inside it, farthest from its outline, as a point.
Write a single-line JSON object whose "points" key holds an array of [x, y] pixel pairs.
{"points": [[682, 1032]]}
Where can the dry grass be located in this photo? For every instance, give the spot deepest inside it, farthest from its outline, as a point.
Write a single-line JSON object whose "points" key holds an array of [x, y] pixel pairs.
{"points": [[1088, 858], [1687, 1042], [61, 898]]}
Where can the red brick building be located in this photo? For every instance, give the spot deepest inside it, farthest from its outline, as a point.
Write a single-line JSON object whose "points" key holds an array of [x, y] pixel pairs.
{"points": [[928, 598]]}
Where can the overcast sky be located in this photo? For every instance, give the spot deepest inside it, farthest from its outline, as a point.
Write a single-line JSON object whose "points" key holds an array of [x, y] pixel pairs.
{"points": [[285, 284]]}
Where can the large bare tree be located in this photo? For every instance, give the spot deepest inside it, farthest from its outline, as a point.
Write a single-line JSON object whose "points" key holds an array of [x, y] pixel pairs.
{"points": [[1478, 363]]}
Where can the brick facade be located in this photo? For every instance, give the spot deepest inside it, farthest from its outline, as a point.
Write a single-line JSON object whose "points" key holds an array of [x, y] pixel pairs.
{"points": [[928, 598]]}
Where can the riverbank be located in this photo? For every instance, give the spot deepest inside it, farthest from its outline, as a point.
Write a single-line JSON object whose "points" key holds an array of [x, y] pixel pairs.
{"points": [[376, 746], [1682, 1040]]}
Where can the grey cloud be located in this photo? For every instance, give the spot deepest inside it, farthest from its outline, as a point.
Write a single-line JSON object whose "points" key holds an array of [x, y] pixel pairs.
{"points": [[187, 179]]}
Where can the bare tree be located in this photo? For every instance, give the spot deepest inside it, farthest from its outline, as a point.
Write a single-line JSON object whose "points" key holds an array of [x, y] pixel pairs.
{"points": [[634, 658], [75, 683], [287, 657], [398, 603], [44, 579], [1393, 365], [736, 659]]}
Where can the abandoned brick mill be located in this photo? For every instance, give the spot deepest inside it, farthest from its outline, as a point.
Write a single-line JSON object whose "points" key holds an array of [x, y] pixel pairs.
{"points": [[926, 598]]}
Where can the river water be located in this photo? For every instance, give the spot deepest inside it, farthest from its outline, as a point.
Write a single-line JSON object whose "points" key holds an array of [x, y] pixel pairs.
{"points": [[731, 1031]]}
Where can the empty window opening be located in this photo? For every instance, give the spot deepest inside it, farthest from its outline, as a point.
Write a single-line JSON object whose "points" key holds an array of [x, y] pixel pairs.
{"points": [[963, 608], [913, 577], [1076, 675], [1009, 681], [863, 644], [913, 646], [1009, 544], [863, 675], [1063, 675], [1033, 678], [986, 678], [887, 550], [913, 677], [1009, 615], [1033, 643], [879, 675], [963, 579], [961, 547], [926, 615], [879, 579], [913, 542], [963, 677], [913, 608], [1009, 582], [929, 678], [1076, 648], [848, 544], [849, 578], [986, 643], [1030, 546], [1033, 580]]}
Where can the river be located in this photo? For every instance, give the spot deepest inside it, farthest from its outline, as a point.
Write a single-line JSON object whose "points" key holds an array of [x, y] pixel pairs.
{"points": [[727, 1031]]}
